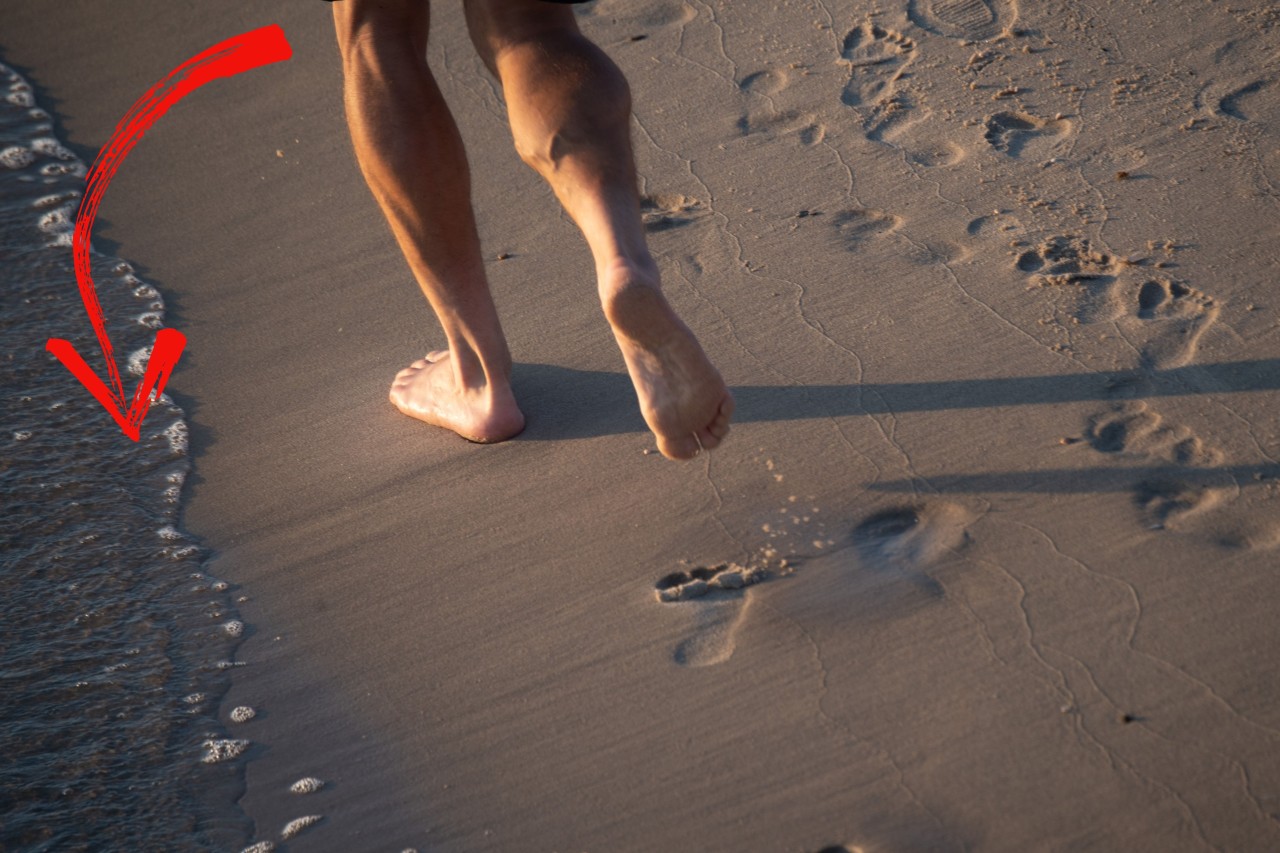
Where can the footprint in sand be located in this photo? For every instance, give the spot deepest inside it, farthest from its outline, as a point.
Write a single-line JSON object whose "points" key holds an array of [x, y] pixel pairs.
{"points": [[972, 20], [762, 118], [1132, 429], [1170, 317], [858, 225], [1077, 272], [1014, 133], [1169, 503], [876, 58], [664, 211], [716, 598], [912, 537], [1162, 318], [1233, 102], [770, 125]]}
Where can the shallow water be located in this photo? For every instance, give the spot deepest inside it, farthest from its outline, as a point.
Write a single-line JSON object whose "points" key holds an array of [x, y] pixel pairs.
{"points": [[114, 645]]}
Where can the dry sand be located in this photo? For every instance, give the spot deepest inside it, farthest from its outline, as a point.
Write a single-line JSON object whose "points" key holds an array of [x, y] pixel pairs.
{"points": [[995, 286]]}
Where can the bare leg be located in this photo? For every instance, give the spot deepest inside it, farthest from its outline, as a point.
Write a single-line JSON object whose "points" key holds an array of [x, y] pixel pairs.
{"points": [[409, 150], [570, 113]]}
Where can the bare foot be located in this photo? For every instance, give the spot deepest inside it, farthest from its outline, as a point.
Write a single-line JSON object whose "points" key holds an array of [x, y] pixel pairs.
{"points": [[431, 391], [682, 397]]}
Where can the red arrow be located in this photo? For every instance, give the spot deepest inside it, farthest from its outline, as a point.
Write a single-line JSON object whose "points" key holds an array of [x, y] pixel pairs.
{"points": [[225, 59]]}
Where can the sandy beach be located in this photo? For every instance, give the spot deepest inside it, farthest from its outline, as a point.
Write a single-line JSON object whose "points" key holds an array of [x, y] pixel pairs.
{"points": [[994, 284]]}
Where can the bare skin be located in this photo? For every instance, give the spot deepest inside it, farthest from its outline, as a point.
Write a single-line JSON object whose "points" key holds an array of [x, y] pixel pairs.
{"points": [[569, 109]]}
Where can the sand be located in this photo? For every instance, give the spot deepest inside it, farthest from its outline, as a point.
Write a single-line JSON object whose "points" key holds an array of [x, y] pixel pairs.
{"points": [[994, 285]]}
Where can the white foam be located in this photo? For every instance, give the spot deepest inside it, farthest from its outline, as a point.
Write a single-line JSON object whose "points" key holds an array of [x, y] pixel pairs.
{"points": [[233, 628], [58, 219], [56, 198], [194, 698], [16, 157], [223, 749], [53, 170], [150, 319], [260, 847], [22, 435], [51, 147], [146, 291], [137, 363], [176, 433], [242, 714], [296, 825], [307, 785], [219, 586]]}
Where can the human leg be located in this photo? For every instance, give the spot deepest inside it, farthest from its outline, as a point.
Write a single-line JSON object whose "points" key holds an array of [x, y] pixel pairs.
{"points": [[412, 157], [570, 110]]}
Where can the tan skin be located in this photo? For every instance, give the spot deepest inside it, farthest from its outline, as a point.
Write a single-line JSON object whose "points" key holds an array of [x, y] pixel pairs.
{"points": [[569, 107]]}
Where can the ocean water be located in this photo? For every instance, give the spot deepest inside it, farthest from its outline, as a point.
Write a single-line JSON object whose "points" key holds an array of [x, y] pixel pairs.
{"points": [[115, 646]]}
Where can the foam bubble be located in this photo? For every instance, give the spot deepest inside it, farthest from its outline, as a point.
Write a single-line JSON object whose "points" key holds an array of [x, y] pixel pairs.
{"points": [[169, 532], [37, 113], [59, 223], [22, 435], [51, 147], [228, 664], [137, 363], [53, 170], [16, 157], [146, 291], [150, 319], [223, 749], [219, 586], [260, 847], [233, 627], [296, 825], [195, 698], [20, 99], [307, 785], [242, 714], [56, 198], [176, 433]]}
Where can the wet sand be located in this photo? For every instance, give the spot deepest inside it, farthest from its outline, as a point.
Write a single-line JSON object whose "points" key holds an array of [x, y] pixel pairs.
{"points": [[992, 283]]}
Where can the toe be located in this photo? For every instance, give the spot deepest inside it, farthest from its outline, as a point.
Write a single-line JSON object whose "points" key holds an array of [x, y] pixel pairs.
{"points": [[683, 448]]}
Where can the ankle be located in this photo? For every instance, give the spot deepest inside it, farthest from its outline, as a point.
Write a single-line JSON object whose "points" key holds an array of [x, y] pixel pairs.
{"points": [[476, 370]]}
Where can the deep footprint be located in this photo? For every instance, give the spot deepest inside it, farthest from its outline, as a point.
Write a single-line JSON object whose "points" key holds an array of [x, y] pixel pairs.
{"points": [[664, 211], [1131, 429], [876, 57], [1012, 133], [858, 225], [716, 598], [912, 537], [973, 20], [1172, 316]]}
